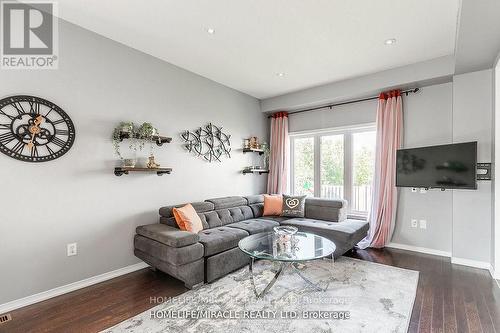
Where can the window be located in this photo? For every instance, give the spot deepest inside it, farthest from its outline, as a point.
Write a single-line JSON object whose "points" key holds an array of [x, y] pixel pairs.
{"points": [[335, 164], [303, 150], [332, 166]]}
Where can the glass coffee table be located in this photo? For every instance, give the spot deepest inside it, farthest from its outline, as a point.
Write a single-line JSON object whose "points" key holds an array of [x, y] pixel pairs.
{"points": [[289, 251]]}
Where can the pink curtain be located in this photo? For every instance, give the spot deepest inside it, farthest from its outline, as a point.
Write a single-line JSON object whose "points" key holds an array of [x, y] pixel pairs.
{"points": [[278, 160], [384, 197]]}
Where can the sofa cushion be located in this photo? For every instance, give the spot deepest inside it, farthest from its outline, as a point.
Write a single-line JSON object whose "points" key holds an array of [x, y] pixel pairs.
{"points": [[222, 217], [278, 219], [273, 204], [254, 226], [257, 209], [167, 235], [256, 203], [170, 221], [199, 207], [334, 210], [238, 214], [227, 202], [220, 239], [334, 203], [349, 231], [187, 219], [293, 205], [255, 199]]}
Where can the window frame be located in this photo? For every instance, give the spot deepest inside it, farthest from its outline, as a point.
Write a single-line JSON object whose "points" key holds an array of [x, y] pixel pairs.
{"points": [[347, 133]]}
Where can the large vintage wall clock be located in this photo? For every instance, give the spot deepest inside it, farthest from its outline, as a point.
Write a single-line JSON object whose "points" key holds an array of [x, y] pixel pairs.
{"points": [[33, 129]]}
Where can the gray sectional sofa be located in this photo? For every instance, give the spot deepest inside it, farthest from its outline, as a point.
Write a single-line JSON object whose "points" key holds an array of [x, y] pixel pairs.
{"points": [[213, 252]]}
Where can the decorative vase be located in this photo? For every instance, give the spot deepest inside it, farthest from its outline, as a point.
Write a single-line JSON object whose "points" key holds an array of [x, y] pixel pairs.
{"points": [[246, 143], [129, 162]]}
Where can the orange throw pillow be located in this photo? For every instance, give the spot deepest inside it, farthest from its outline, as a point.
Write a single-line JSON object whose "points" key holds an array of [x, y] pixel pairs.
{"points": [[187, 219], [273, 205]]}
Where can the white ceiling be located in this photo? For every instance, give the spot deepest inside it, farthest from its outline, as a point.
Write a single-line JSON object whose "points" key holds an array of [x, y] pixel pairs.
{"points": [[312, 41]]}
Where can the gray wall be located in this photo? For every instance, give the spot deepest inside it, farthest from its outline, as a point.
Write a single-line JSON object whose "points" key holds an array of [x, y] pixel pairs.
{"points": [[495, 233], [427, 121], [495, 228], [77, 198], [433, 102], [472, 121], [458, 222]]}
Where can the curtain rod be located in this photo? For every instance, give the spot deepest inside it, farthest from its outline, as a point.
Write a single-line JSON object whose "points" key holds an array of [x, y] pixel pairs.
{"points": [[330, 106]]}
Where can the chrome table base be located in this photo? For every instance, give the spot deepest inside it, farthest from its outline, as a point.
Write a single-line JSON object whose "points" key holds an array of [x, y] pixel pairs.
{"points": [[283, 266]]}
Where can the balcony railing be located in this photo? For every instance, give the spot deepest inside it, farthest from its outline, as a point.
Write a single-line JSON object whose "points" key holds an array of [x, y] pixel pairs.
{"points": [[361, 195]]}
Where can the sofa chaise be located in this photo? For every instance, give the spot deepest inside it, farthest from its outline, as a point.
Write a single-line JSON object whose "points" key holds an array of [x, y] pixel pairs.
{"points": [[213, 252]]}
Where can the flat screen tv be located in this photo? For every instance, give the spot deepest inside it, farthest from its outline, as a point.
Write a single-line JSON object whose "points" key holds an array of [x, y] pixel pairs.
{"points": [[447, 166]]}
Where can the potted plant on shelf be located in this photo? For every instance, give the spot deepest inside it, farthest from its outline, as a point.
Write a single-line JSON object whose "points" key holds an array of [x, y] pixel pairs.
{"points": [[138, 137], [146, 132], [267, 152], [129, 129]]}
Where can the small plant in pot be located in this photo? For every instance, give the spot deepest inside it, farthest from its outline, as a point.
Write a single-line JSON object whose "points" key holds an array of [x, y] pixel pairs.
{"points": [[146, 132], [267, 153], [129, 129]]}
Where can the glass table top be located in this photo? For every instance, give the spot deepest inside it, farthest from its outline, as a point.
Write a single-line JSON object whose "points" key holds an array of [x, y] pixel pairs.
{"points": [[302, 246]]}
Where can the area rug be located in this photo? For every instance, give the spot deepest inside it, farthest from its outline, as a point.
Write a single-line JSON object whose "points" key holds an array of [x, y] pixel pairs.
{"points": [[360, 296]]}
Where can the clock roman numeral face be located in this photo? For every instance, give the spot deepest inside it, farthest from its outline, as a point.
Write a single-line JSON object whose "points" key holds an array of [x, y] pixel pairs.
{"points": [[6, 138], [33, 129]]}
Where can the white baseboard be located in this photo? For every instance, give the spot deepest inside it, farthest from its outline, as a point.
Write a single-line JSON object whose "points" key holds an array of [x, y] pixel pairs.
{"points": [[19, 303], [471, 263], [494, 274], [419, 249]]}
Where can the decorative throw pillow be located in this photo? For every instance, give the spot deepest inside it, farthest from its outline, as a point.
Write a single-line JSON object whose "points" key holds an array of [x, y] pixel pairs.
{"points": [[273, 205], [294, 206], [187, 219]]}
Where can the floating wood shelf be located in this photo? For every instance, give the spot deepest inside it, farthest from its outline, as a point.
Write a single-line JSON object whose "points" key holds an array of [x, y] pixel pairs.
{"points": [[125, 170], [259, 171], [253, 150], [156, 138]]}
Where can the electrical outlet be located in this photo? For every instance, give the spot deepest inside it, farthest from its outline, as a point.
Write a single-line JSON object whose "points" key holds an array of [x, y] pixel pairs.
{"points": [[423, 224], [414, 223], [414, 190], [71, 249], [423, 190]]}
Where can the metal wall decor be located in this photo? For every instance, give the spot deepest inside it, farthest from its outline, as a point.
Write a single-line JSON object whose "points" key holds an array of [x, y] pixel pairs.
{"points": [[208, 141]]}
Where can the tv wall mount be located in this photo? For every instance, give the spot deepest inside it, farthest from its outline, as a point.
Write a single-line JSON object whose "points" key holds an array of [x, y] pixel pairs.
{"points": [[483, 171]]}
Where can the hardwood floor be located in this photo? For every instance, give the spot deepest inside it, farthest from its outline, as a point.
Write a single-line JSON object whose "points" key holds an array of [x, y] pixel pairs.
{"points": [[97, 307], [450, 298]]}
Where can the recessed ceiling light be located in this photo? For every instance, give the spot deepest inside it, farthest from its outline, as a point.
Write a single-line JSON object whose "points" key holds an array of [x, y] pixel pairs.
{"points": [[390, 41], [211, 31], [280, 74]]}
